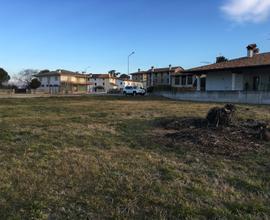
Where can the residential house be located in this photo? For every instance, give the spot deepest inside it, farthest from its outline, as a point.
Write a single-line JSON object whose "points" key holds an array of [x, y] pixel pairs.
{"points": [[141, 76], [242, 80], [183, 81], [249, 73], [108, 82], [63, 81], [156, 76], [102, 82]]}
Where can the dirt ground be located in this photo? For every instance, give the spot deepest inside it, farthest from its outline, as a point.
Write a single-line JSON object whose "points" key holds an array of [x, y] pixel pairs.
{"points": [[230, 140]]}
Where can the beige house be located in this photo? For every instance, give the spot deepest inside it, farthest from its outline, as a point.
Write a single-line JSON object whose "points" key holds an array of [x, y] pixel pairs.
{"points": [[63, 81], [156, 76]]}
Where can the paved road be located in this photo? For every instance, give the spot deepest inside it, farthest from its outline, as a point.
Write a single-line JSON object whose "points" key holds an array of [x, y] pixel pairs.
{"points": [[23, 96]]}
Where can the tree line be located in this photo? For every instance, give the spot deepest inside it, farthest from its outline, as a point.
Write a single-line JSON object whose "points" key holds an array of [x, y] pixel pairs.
{"points": [[23, 79], [26, 78]]}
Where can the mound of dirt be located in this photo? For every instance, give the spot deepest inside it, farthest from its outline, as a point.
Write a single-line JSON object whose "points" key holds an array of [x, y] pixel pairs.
{"points": [[231, 139]]}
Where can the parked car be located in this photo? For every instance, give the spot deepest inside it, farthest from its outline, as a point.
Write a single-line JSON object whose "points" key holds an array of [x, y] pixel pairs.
{"points": [[20, 90], [133, 90]]}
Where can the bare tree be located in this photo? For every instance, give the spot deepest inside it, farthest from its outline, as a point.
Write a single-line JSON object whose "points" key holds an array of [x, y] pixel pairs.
{"points": [[25, 77]]}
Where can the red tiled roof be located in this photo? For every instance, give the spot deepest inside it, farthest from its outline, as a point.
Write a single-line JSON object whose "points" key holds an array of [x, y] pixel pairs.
{"points": [[262, 59], [139, 73], [103, 76], [61, 72]]}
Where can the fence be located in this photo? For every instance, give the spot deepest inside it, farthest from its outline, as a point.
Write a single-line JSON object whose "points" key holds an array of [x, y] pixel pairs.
{"points": [[5, 92], [249, 97]]}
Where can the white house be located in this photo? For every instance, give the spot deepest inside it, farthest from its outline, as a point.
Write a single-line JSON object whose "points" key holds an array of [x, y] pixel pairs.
{"points": [[241, 80], [108, 82], [249, 73]]}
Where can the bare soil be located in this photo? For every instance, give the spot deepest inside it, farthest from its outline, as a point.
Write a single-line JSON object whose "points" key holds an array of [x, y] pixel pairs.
{"points": [[231, 140]]}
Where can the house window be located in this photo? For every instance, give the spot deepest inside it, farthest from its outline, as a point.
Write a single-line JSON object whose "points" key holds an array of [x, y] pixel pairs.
{"points": [[184, 80], [95, 84], [177, 80], [189, 80], [103, 84], [56, 78]]}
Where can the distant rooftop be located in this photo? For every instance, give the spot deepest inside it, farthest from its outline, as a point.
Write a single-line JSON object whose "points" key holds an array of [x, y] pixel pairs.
{"points": [[160, 70], [262, 59], [61, 72]]}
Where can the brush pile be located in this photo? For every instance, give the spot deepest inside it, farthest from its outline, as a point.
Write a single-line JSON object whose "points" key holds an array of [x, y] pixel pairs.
{"points": [[220, 132]]}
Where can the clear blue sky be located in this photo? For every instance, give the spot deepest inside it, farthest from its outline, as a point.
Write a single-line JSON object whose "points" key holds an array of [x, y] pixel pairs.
{"points": [[75, 34]]}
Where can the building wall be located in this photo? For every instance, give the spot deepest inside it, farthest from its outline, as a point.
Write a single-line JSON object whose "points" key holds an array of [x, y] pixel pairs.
{"points": [[248, 97], [49, 84], [111, 83], [99, 82], [74, 79], [143, 78], [46, 81], [229, 81], [219, 81], [264, 75], [63, 83], [161, 78]]}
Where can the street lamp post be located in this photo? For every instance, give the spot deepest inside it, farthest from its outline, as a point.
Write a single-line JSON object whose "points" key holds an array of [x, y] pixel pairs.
{"points": [[86, 81], [128, 59]]}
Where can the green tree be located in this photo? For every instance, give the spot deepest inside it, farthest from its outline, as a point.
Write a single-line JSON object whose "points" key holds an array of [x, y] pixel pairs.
{"points": [[4, 77], [221, 59], [34, 84], [114, 73], [44, 71], [124, 76]]}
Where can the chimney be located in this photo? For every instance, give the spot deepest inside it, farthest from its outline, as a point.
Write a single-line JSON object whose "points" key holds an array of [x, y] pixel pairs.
{"points": [[139, 70], [170, 67], [152, 68], [252, 50]]}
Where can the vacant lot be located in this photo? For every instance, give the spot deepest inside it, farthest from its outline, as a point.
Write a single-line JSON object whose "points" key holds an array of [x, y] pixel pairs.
{"points": [[104, 157]]}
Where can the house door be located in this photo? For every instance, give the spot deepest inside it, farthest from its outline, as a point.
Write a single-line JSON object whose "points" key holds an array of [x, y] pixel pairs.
{"points": [[256, 83]]}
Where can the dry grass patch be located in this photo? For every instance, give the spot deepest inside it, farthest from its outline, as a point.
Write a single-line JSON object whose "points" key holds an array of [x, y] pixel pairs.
{"points": [[101, 157]]}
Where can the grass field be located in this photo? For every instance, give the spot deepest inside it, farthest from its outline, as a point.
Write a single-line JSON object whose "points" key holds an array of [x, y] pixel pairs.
{"points": [[98, 157]]}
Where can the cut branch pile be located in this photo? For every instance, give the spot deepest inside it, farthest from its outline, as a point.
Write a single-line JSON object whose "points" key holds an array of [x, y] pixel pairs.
{"points": [[220, 132]]}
